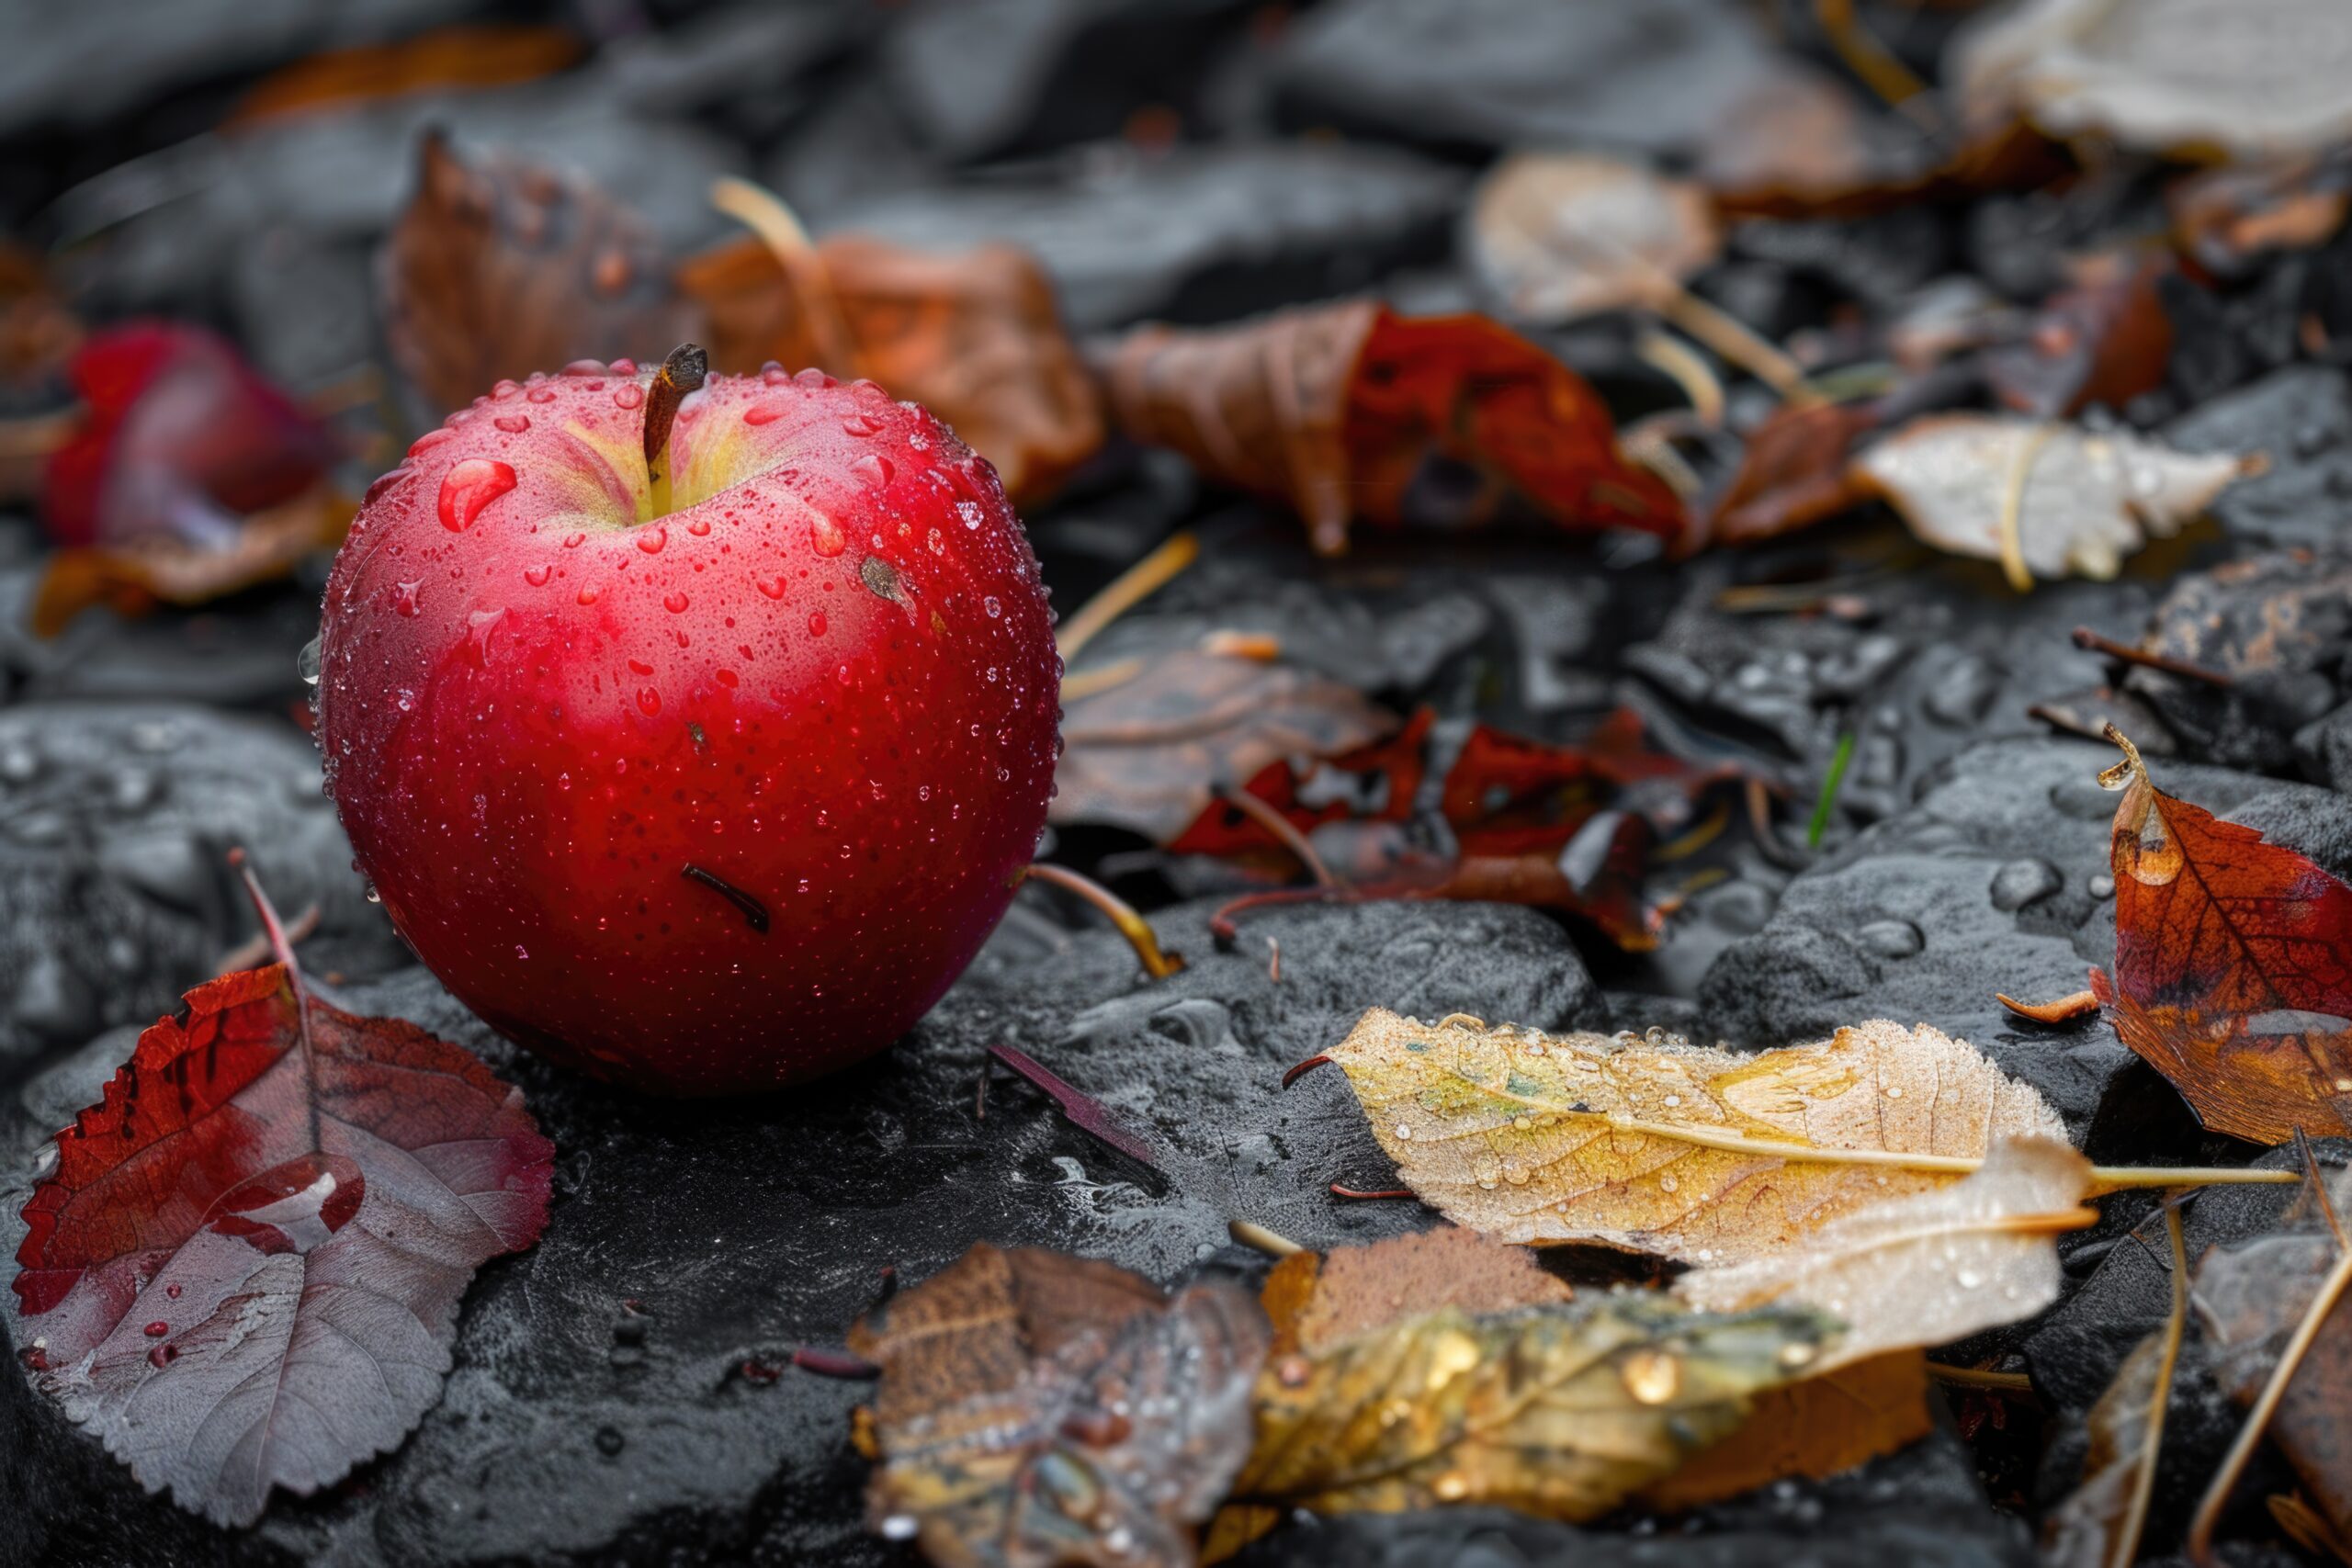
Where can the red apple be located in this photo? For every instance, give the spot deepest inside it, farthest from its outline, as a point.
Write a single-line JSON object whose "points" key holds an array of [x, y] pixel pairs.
{"points": [[702, 780]]}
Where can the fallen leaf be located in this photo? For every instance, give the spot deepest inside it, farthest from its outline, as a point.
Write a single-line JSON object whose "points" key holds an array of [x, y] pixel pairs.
{"points": [[1559, 235], [500, 268], [133, 578], [1793, 471], [2044, 500], [1692, 1153], [1799, 143], [2242, 78], [2230, 218], [977, 338], [244, 1269], [1350, 410], [2105, 338], [2100, 1523], [2251, 1296], [179, 439], [1823, 1426], [1037, 1410], [1149, 753], [1317, 1301], [1927, 1270], [2233, 970], [446, 58], [1563, 1410]]}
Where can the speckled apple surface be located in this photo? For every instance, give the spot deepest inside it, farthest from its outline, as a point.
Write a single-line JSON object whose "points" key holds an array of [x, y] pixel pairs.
{"points": [[704, 802]]}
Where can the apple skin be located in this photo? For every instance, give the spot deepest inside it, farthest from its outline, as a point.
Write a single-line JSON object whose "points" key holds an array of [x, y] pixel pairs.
{"points": [[826, 679]]}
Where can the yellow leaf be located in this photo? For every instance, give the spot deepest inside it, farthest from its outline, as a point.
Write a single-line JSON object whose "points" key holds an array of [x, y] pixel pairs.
{"points": [[1700, 1155], [1933, 1267], [1563, 1410]]}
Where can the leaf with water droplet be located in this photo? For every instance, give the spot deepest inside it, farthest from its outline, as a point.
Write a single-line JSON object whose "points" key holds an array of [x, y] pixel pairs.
{"points": [[2233, 970], [1698, 1154], [1037, 1410], [300, 1222]]}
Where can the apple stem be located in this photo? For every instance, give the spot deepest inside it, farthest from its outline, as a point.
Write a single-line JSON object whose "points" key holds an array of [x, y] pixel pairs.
{"points": [[679, 374], [1134, 927]]}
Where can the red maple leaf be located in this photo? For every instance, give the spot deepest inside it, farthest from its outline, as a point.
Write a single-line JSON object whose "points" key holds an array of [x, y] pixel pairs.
{"points": [[244, 1271], [2233, 966]]}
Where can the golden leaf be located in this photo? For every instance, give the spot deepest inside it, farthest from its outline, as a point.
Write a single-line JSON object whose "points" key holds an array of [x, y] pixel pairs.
{"points": [[1933, 1267], [1822, 1426], [1562, 1410], [1698, 1154]]}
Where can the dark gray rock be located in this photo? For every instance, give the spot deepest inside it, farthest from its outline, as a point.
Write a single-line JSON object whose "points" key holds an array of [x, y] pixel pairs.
{"points": [[115, 895], [2324, 750], [599, 1403], [2004, 818], [1921, 1506], [2300, 419], [1519, 72], [1196, 234], [72, 67]]}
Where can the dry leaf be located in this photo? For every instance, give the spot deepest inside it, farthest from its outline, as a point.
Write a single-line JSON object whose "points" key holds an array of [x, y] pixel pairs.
{"points": [[1318, 1299], [1822, 1426], [446, 58], [1793, 471], [2046, 499], [1558, 235], [2105, 338], [1149, 753], [2242, 78], [976, 338], [2233, 966], [1799, 143], [1696, 1153], [496, 270], [1036, 1410], [1351, 411], [2251, 1296], [1562, 1411], [1930, 1269], [133, 578], [2231, 218]]}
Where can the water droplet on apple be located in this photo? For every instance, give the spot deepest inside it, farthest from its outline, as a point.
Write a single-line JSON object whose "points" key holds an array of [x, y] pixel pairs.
{"points": [[541, 395], [674, 602], [585, 596], [404, 597], [574, 541], [522, 953], [873, 468], [513, 424], [650, 700], [773, 374], [972, 512], [816, 623], [584, 367], [773, 590], [992, 606], [812, 376], [766, 412], [470, 486], [537, 576], [624, 365], [651, 538], [699, 527], [427, 441], [860, 425], [640, 667], [306, 663], [629, 394], [827, 537]]}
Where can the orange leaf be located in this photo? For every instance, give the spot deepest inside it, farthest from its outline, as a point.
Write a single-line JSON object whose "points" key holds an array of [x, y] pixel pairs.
{"points": [[463, 56], [2233, 966], [134, 578], [1819, 1428], [1349, 410]]}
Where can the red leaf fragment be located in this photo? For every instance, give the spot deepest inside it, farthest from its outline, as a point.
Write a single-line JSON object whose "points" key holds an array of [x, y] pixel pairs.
{"points": [[2233, 966], [307, 1289]]}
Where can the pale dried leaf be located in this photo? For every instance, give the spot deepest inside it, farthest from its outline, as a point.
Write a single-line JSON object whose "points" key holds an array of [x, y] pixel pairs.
{"points": [[1927, 1270], [1694, 1153], [1558, 235], [2088, 500]]}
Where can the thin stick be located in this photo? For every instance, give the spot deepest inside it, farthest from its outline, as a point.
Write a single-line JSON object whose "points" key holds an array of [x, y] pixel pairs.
{"points": [[1259, 1238], [1674, 359], [1731, 338], [2087, 639], [1285, 830], [1130, 588], [1969, 1377], [1122, 914], [764, 214], [2144, 1481], [1090, 682], [2216, 1495], [1866, 57], [283, 946]]}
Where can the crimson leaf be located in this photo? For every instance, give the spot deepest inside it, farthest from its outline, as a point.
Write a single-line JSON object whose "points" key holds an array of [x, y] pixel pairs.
{"points": [[245, 1270]]}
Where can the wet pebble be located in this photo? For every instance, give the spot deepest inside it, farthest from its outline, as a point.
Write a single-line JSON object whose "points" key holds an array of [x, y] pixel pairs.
{"points": [[1892, 939], [2022, 882]]}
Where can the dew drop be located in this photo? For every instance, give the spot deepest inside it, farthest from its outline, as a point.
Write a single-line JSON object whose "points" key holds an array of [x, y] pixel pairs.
{"points": [[816, 623], [173, 1292], [1404, 1132], [990, 605], [699, 527], [648, 700], [766, 412], [674, 602], [574, 541], [873, 468], [773, 590], [163, 1356], [629, 394], [860, 425], [404, 600], [585, 596], [513, 424], [827, 537], [651, 538], [470, 486], [537, 576], [541, 395]]}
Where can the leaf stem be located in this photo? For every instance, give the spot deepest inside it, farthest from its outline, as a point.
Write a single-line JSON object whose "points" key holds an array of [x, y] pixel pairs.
{"points": [[1286, 833], [284, 950], [1158, 964], [1127, 589]]}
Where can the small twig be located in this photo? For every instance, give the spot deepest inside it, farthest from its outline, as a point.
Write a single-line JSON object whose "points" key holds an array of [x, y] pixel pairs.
{"points": [[1871, 59], [1274, 959], [1157, 964], [1969, 1377], [1259, 1238], [1127, 589], [2087, 639], [1340, 1191], [1676, 360], [1085, 1113], [842, 1364], [1285, 830], [1303, 1069], [2065, 1010], [2143, 1483], [1090, 683], [253, 950], [1221, 920]]}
